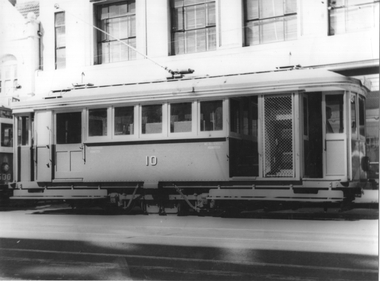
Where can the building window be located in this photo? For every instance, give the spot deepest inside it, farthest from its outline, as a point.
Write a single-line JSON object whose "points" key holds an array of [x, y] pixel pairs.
{"points": [[351, 15], [60, 40], [193, 26], [118, 20], [270, 21], [8, 79]]}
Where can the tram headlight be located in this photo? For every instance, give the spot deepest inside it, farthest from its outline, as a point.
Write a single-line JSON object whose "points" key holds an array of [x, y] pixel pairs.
{"points": [[5, 167]]}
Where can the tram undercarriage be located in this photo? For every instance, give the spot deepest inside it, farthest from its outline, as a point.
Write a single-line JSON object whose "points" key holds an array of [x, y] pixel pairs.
{"points": [[194, 197]]}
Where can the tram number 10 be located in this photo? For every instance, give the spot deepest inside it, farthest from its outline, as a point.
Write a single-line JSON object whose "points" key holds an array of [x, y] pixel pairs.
{"points": [[151, 161]]}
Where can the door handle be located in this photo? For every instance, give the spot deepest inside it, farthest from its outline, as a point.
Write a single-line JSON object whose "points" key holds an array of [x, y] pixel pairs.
{"points": [[83, 148]]}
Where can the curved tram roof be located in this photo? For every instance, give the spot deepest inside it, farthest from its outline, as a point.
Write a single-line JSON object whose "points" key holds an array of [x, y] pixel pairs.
{"points": [[307, 80]]}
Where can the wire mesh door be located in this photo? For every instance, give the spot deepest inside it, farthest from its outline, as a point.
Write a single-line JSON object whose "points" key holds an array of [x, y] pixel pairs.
{"points": [[278, 137]]}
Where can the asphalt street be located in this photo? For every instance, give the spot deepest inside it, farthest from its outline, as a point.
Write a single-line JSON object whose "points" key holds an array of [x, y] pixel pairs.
{"points": [[55, 244]]}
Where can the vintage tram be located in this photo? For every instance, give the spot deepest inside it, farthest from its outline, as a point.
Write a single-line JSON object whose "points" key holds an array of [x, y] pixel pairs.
{"points": [[202, 143], [6, 154]]}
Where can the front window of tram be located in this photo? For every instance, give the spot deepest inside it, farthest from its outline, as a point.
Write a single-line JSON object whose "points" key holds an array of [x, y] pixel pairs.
{"points": [[6, 135], [334, 114]]}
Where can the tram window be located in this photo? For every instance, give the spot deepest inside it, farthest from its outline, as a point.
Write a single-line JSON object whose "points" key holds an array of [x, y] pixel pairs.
{"points": [[97, 122], [353, 114], [180, 117], [69, 128], [211, 116], [361, 117], [151, 119], [334, 114], [235, 116], [124, 120], [305, 116], [243, 116], [6, 135], [23, 124]]}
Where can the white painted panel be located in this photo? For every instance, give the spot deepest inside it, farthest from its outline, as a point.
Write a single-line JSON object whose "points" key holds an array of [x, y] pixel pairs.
{"points": [[335, 160]]}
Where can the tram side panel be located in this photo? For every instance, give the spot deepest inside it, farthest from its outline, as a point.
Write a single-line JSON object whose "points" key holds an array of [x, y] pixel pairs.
{"points": [[151, 163]]}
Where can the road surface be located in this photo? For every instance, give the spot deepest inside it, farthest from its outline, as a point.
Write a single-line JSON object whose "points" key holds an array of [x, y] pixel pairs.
{"points": [[56, 244]]}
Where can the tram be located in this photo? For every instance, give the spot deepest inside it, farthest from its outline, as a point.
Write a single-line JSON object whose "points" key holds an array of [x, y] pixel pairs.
{"points": [[6, 154], [198, 143]]}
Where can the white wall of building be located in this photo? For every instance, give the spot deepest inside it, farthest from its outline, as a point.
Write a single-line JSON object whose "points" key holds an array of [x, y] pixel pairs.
{"points": [[312, 48], [19, 43]]}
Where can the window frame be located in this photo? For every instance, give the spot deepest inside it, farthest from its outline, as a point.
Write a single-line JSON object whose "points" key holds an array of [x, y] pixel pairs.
{"points": [[194, 120], [164, 122], [345, 8], [260, 19], [98, 35], [8, 76], [103, 138], [57, 48], [56, 127], [207, 26], [136, 123], [218, 133]]}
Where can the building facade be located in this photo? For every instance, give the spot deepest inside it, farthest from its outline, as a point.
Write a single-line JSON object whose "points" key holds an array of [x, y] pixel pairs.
{"points": [[19, 53], [219, 37]]}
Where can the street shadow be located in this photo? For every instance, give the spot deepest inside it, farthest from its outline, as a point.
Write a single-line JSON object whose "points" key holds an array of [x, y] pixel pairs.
{"points": [[307, 212], [80, 260]]}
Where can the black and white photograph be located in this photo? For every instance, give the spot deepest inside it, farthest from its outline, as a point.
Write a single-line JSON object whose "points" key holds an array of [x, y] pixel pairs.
{"points": [[189, 140]]}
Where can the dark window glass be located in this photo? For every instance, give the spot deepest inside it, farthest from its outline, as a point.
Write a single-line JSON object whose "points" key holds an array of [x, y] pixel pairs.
{"points": [[124, 120], [23, 128], [180, 117], [243, 145], [334, 114], [305, 116], [243, 116], [69, 128], [6, 135], [211, 116], [152, 119], [362, 116], [353, 114], [97, 122]]}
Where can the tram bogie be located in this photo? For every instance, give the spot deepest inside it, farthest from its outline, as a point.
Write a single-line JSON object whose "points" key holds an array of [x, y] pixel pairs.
{"points": [[196, 144]]}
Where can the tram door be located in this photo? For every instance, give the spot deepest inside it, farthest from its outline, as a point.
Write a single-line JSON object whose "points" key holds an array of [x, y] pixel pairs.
{"points": [[43, 150], [69, 160], [25, 171], [312, 135], [358, 145], [278, 135], [334, 135]]}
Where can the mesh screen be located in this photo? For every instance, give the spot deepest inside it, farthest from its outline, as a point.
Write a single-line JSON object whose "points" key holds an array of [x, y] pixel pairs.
{"points": [[278, 137]]}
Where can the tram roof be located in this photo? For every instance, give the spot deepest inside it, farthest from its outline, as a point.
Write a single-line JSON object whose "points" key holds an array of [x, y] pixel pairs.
{"points": [[275, 82]]}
